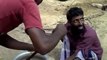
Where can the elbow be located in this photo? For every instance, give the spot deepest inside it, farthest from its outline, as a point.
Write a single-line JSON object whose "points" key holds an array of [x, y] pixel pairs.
{"points": [[43, 50]]}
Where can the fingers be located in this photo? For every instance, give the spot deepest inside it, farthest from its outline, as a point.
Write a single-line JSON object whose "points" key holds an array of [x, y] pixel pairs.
{"points": [[62, 28]]}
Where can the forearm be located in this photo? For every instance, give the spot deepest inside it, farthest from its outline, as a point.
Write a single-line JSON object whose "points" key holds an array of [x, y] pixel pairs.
{"points": [[54, 38], [45, 43], [20, 46], [9, 42]]}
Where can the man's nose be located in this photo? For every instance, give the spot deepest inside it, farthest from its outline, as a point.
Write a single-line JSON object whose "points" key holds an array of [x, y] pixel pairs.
{"points": [[80, 22]]}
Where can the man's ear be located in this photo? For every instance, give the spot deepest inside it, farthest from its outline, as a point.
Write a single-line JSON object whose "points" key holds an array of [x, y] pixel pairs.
{"points": [[67, 24]]}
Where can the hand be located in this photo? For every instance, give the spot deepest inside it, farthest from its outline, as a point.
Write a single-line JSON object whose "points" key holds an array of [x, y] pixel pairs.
{"points": [[61, 29]]}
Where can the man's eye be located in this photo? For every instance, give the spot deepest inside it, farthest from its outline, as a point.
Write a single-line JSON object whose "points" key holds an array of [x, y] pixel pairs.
{"points": [[82, 18]]}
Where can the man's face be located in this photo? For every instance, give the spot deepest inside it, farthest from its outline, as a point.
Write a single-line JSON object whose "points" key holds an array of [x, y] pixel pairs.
{"points": [[38, 1], [78, 22]]}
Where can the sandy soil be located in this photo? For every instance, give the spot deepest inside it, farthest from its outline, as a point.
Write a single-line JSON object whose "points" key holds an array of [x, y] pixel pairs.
{"points": [[52, 13]]}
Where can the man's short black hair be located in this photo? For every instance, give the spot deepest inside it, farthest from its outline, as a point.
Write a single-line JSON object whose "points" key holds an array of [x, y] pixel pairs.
{"points": [[38, 1], [73, 12]]}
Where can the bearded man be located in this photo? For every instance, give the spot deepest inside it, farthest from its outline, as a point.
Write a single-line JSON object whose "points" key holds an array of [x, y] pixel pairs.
{"points": [[81, 40]]}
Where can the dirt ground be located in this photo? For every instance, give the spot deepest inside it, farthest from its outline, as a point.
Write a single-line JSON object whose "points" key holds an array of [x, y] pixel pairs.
{"points": [[52, 13]]}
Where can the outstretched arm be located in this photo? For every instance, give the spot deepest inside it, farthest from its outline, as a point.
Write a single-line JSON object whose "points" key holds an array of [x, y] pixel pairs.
{"points": [[9, 42], [45, 43]]}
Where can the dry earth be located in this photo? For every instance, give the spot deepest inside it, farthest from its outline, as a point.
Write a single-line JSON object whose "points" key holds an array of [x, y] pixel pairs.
{"points": [[52, 13]]}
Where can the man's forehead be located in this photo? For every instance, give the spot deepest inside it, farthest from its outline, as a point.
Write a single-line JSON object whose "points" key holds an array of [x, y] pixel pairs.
{"points": [[78, 17]]}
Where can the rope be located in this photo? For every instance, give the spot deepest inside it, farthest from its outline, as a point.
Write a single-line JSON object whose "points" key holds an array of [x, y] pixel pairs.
{"points": [[31, 56]]}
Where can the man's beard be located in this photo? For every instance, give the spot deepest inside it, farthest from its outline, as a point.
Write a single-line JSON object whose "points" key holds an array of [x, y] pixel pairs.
{"points": [[77, 32]]}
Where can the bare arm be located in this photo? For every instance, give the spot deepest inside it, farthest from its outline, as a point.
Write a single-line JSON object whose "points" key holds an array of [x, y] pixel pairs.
{"points": [[9, 42], [45, 43]]}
